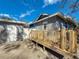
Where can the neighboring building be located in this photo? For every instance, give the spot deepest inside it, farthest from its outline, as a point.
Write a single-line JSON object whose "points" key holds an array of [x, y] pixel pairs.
{"points": [[53, 22], [11, 30]]}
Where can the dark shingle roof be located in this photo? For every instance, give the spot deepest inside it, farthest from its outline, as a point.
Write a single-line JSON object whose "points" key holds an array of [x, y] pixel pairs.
{"points": [[42, 16]]}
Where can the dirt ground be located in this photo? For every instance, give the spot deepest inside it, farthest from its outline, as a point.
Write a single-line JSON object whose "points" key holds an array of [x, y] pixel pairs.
{"points": [[78, 50], [22, 50]]}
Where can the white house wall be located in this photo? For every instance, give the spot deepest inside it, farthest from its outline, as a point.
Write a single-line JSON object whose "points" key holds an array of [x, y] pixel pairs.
{"points": [[12, 33], [27, 33]]}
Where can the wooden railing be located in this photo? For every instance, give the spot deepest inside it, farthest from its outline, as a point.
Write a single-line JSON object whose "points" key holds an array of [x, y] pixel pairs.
{"points": [[64, 39]]}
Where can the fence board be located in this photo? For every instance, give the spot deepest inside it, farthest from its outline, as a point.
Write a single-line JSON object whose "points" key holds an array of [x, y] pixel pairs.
{"points": [[64, 39]]}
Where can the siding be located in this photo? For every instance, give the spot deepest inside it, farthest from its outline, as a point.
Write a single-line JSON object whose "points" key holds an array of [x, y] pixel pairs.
{"points": [[53, 23], [3, 34], [11, 33], [50, 24]]}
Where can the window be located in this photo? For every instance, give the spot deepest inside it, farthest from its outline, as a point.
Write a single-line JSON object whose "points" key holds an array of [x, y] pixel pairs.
{"points": [[44, 26]]}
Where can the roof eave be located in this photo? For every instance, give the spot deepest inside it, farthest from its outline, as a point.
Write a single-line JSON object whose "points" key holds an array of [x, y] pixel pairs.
{"points": [[57, 14]]}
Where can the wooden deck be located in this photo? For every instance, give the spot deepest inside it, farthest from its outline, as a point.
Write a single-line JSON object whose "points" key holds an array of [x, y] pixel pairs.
{"points": [[63, 42]]}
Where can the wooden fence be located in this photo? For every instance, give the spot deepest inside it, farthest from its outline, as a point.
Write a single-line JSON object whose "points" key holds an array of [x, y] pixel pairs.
{"points": [[65, 40]]}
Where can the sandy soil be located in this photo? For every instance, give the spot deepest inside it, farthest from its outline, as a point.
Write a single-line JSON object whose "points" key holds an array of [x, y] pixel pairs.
{"points": [[22, 50]]}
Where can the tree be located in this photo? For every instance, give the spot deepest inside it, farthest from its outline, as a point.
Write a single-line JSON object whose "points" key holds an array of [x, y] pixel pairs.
{"points": [[74, 6], [77, 25]]}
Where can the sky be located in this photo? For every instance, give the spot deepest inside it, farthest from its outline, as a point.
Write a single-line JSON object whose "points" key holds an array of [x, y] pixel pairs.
{"points": [[30, 10]]}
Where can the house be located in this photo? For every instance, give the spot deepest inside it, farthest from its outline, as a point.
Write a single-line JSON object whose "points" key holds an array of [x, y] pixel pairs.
{"points": [[11, 30], [53, 22]]}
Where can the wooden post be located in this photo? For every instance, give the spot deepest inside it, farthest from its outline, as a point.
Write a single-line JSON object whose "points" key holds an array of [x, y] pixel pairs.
{"points": [[63, 43], [73, 41]]}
